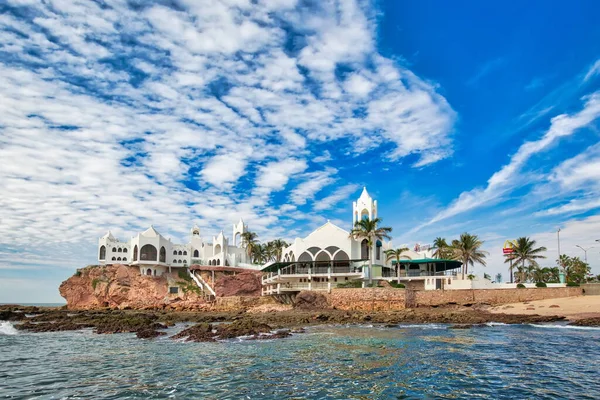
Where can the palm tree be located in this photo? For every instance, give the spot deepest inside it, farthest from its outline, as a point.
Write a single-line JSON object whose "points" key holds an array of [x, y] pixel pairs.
{"points": [[442, 249], [524, 250], [279, 245], [369, 229], [270, 252], [468, 250], [250, 242], [498, 277], [391, 254], [260, 253]]}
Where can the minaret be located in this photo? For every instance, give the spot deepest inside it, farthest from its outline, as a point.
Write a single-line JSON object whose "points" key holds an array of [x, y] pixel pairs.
{"points": [[364, 207]]}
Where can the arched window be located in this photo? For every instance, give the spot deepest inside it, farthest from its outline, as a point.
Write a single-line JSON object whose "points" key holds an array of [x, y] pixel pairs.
{"points": [[114, 250], [119, 250], [184, 262], [185, 253], [149, 272], [124, 258], [217, 249], [179, 253], [163, 254], [331, 249], [313, 250], [341, 259], [135, 253], [218, 262], [125, 250], [323, 256], [114, 258], [174, 252], [196, 253], [305, 257], [364, 249], [364, 214], [378, 249], [148, 253], [179, 261], [118, 258], [102, 255]]}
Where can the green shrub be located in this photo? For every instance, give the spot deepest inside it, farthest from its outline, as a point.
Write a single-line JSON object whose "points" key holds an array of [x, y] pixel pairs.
{"points": [[397, 285], [77, 273], [350, 284], [95, 283], [575, 284], [183, 274], [540, 284], [520, 286]]}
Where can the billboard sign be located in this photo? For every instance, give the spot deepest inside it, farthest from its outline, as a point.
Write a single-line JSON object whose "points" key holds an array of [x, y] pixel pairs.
{"points": [[508, 247]]}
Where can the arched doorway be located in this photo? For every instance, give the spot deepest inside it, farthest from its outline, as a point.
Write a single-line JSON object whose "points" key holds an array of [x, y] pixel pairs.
{"points": [[148, 253], [102, 255], [196, 254], [364, 249], [163, 254], [149, 272]]}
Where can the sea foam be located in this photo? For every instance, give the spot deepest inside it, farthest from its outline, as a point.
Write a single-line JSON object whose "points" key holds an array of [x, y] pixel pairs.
{"points": [[6, 328]]}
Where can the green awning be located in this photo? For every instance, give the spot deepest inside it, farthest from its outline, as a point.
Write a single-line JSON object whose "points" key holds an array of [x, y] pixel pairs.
{"points": [[278, 265], [440, 264]]}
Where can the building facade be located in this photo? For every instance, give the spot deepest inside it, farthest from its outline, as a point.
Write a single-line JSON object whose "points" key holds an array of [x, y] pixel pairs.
{"points": [[155, 254]]}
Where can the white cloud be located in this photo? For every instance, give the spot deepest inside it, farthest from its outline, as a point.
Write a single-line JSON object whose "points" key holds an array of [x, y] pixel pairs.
{"points": [[507, 178], [224, 169], [275, 175], [593, 71]]}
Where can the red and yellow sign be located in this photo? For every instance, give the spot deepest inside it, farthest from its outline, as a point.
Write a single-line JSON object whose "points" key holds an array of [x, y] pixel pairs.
{"points": [[508, 247]]}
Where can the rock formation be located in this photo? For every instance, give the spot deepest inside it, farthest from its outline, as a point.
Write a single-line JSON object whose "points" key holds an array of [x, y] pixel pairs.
{"points": [[246, 283], [121, 286]]}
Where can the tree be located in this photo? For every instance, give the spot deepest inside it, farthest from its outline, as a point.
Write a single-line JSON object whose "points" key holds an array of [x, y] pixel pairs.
{"points": [[278, 245], [575, 269], [498, 277], [442, 249], [250, 242], [487, 276], [395, 254], [369, 229], [524, 250], [468, 250]]}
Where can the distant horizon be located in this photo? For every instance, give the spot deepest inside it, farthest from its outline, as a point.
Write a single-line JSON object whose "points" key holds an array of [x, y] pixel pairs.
{"points": [[481, 118]]}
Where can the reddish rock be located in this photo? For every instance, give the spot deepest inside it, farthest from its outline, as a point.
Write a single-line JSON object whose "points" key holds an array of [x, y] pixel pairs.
{"points": [[554, 306], [246, 283], [308, 300], [123, 287]]}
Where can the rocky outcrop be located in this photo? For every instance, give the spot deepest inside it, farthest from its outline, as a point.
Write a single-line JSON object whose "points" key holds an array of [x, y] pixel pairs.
{"points": [[246, 283], [308, 300], [121, 286]]}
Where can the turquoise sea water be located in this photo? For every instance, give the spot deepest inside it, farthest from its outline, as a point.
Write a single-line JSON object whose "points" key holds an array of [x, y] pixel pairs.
{"points": [[327, 362]]}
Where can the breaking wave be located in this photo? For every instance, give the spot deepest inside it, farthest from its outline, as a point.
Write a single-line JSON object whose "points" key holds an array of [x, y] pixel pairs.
{"points": [[6, 328]]}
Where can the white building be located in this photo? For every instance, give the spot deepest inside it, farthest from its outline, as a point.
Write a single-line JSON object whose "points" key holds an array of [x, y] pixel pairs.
{"points": [[155, 254], [329, 256]]}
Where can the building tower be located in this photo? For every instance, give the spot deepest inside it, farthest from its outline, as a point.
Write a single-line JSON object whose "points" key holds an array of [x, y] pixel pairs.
{"points": [[364, 207], [238, 230]]}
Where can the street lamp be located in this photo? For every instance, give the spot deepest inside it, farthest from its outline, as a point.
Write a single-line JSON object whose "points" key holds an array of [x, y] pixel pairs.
{"points": [[584, 251]]}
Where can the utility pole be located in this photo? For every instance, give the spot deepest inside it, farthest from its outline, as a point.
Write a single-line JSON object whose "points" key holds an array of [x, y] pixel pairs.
{"points": [[558, 237]]}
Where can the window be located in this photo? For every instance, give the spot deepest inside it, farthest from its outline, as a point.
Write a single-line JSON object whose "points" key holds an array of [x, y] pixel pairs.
{"points": [[148, 253], [378, 249], [173, 290], [174, 252], [179, 253], [149, 272], [114, 250], [218, 262], [102, 255], [114, 259], [125, 250], [135, 253], [119, 250], [196, 253], [364, 249], [163, 254], [118, 258], [124, 258], [185, 253]]}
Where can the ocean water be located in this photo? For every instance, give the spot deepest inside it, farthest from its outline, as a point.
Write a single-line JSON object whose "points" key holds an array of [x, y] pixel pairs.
{"points": [[328, 362]]}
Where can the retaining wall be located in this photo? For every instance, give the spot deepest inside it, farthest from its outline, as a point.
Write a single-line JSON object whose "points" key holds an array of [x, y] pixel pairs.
{"points": [[591, 289], [368, 299], [383, 299]]}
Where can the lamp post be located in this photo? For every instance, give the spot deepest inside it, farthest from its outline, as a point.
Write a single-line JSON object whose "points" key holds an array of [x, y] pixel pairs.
{"points": [[584, 251]]}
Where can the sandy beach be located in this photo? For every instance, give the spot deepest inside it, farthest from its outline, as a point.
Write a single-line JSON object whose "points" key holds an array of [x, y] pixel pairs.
{"points": [[572, 308]]}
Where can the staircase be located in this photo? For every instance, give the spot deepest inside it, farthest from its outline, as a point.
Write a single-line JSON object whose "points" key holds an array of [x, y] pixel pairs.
{"points": [[203, 285]]}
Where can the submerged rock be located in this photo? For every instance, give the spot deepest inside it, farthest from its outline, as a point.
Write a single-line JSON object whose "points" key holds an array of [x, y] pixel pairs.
{"points": [[594, 321]]}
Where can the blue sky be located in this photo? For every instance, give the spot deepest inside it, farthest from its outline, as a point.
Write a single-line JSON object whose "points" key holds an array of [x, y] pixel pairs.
{"points": [[456, 116]]}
